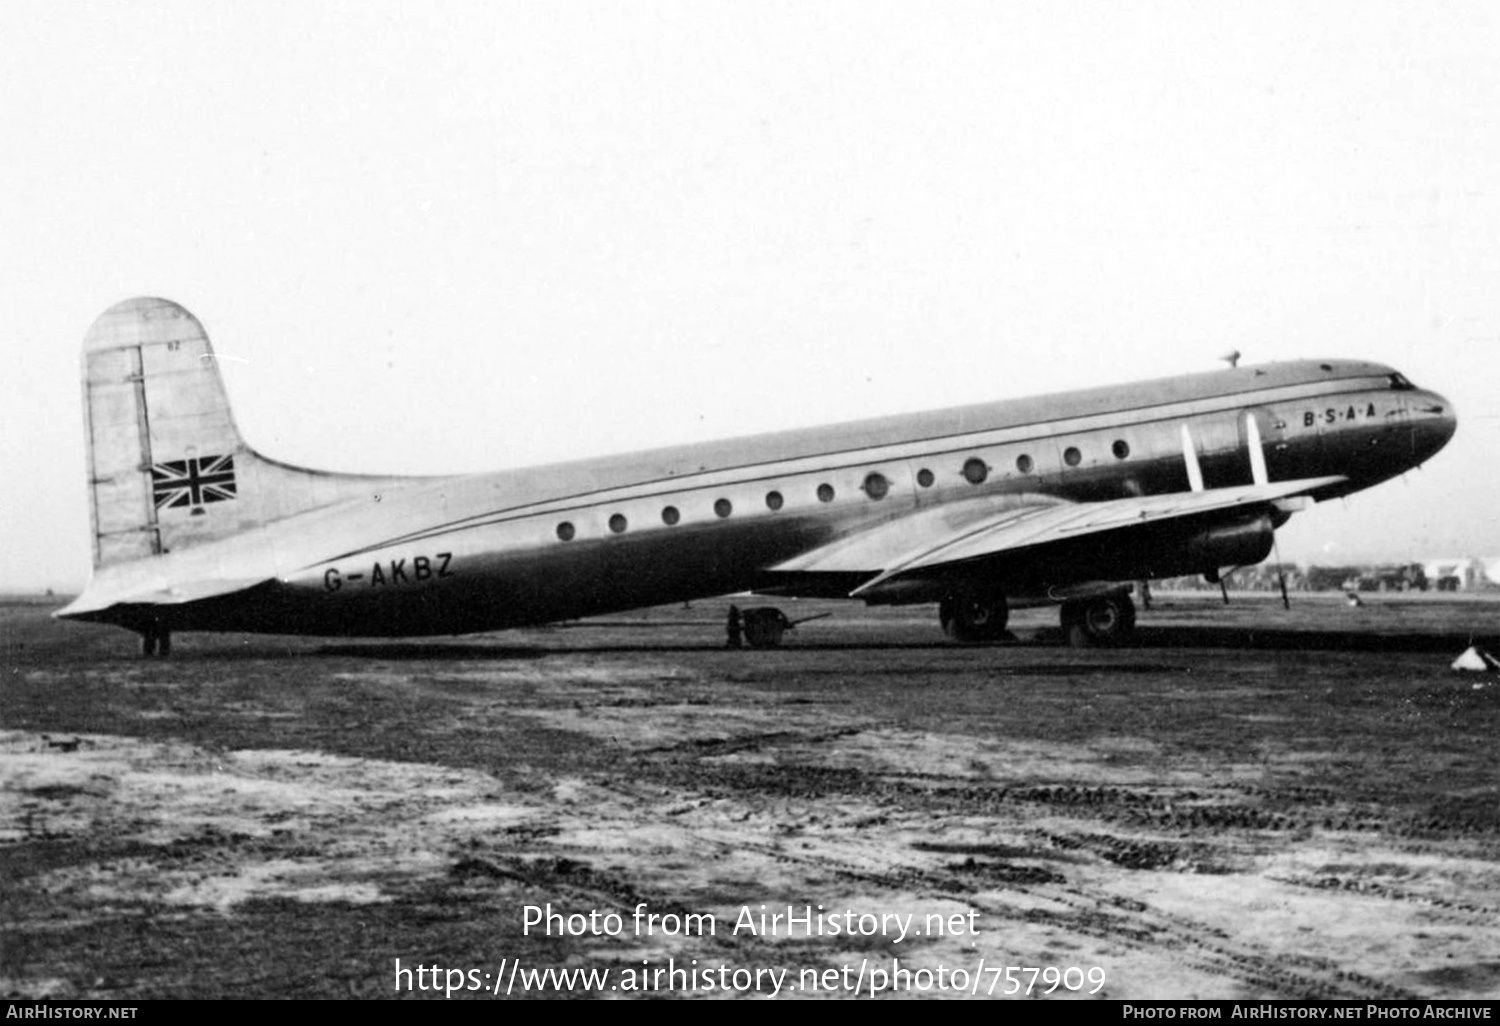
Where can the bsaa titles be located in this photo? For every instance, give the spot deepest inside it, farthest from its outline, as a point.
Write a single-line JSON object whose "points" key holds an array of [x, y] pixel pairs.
{"points": [[395, 571], [1333, 415]]}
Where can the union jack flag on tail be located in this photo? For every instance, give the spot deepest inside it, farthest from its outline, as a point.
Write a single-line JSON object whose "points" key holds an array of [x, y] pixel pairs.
{"points": [[192, 482]]}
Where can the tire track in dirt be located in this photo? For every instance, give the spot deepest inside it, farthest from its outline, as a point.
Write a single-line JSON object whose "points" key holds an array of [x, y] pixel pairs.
{"points": [[1191, 831]]}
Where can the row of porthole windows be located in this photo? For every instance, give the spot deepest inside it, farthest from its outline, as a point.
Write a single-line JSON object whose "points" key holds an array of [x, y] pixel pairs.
{"points": [[876, 486], [976, 470]]}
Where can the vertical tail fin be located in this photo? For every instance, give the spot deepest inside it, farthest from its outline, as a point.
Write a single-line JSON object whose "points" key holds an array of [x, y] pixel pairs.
{"points": [[168, 469]]}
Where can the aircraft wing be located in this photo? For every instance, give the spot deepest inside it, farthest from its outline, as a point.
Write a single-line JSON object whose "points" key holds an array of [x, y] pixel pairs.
{"points": [[947, 535]]}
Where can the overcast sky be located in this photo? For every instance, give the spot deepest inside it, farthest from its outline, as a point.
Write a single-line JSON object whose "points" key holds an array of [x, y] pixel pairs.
{"points": [[465, 236]]}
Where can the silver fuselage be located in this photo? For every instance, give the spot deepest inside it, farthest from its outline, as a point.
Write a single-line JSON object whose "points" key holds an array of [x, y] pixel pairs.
{"points": [[530, 546]]}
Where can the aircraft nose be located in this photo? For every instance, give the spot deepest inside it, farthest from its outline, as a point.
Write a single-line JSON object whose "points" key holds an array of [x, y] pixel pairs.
{"points": [[1433, 422]]}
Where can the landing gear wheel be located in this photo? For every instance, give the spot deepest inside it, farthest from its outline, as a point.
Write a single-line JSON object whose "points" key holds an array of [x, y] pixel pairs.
{"points": [[1104, 620], [973, 618]]}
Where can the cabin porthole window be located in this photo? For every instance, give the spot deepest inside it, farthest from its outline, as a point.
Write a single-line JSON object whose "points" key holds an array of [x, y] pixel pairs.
{"points": [[670, 515], [1071, 456], [617, 523], [976, 470], [877, 487], [924, 478], [565, 531], [825, 493], [1121, 449], [723, 507], [1024, 463], [774, 501]]}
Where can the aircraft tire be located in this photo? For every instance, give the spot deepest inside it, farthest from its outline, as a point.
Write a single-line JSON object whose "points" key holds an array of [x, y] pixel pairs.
{"points": [[972, 618], [1104, 620]]}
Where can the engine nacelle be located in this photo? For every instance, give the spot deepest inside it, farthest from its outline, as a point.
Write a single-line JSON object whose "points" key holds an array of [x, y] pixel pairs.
{"points": [[1242, 544]]}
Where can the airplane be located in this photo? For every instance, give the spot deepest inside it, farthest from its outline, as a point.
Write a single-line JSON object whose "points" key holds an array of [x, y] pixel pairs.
{"points": [[1059, 500]]}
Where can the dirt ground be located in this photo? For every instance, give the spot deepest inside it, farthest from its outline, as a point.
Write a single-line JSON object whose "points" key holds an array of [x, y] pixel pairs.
{"points": [[1247, 803]]}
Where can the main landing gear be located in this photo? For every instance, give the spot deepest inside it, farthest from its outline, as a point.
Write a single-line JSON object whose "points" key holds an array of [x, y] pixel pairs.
{"points": [[1101, 620], [974, 617]]}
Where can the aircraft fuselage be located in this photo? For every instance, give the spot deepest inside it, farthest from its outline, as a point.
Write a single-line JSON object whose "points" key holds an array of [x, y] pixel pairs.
{"points": [[531, 546]]}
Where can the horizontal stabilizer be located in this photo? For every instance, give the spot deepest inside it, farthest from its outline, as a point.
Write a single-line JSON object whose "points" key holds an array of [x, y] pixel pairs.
{"points": [[97, 600]]}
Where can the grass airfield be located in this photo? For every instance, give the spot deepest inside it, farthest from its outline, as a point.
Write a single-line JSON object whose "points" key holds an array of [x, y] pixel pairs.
{"points": [[1245, 802]]}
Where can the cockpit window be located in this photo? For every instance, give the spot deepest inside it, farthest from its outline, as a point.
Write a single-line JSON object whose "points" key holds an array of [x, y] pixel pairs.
{"points": [[1399, 383]]}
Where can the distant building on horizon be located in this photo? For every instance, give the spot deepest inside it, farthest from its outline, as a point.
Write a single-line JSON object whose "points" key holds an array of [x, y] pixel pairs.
{"points": [[1463, 573], [1470, 573]]}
